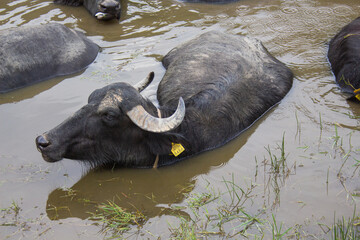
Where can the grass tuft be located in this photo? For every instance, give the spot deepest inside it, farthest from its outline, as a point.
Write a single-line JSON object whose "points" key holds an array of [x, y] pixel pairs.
{"points": [[278, 163], [277, 229], [346, 229], [115, 219]]}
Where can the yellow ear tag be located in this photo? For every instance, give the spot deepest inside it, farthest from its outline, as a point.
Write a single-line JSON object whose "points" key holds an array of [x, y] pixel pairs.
{"points": [[357, 92], [177, 148]]}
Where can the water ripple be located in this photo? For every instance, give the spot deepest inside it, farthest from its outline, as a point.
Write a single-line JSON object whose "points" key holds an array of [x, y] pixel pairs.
{"points": [[289, 10], [342, 10]]}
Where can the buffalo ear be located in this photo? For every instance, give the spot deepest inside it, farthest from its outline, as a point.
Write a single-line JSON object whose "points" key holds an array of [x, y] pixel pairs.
{"points": [[161, 144]]}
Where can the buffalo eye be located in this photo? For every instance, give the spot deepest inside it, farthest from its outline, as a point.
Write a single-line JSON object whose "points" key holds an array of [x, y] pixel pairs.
{"points": [[102, 7], [109, 117]]}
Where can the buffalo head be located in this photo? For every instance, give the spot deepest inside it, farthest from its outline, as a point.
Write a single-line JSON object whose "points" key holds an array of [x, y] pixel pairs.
{"points": [[101, 9], [104, 9], [117, 125]]}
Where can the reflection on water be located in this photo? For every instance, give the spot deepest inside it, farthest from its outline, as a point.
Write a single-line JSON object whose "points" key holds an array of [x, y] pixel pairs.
{"points": [[152, 192], [144, 194], [321, 128], [31, 91]]}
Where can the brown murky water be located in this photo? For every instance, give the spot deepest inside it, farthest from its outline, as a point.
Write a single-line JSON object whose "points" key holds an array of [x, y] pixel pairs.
{"points": [[321, 130]]}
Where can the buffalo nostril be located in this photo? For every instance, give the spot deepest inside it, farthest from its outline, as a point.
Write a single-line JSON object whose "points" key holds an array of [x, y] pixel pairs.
{"points": [[41, 142]]}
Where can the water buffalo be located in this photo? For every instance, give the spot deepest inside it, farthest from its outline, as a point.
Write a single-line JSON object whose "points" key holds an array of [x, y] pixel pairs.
{"points": [[31, 54], [344, 57], [101, 9], [215, 86]]}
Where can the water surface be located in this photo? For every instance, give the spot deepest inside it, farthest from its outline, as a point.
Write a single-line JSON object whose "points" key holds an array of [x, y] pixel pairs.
{"points": [[320, 128]]}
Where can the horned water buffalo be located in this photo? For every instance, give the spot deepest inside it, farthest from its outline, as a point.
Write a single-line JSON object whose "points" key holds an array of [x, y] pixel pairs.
{"points": [[31, 54], [344, 57], [215, 86], [101, 9]]}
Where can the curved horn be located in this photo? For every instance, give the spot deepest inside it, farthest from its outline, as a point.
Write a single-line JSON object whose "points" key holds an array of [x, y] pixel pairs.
{"points": [[147, 122], [144, 83]]}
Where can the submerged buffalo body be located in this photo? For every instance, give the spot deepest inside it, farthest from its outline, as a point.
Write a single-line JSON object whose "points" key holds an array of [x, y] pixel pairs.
{"points": [[101, 9], [31, 54], [215, 86], [344, 57]]}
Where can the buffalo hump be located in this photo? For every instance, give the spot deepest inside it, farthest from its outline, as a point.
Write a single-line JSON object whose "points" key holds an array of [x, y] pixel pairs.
{"points": [[31, 54], [222, 69]]}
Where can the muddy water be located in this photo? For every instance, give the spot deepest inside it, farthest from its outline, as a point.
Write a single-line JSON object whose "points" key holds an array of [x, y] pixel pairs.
{"points": [[319, 180]]}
